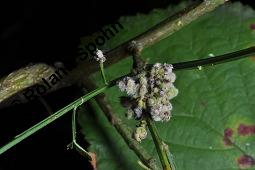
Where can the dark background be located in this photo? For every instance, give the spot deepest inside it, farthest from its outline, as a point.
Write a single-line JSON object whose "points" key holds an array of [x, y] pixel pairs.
{"points": [[40, 31]]}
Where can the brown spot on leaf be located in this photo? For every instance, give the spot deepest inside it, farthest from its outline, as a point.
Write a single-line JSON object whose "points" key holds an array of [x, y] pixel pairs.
{"points": [[245, 161], [228, 132], [252, 26], [244, 130]]}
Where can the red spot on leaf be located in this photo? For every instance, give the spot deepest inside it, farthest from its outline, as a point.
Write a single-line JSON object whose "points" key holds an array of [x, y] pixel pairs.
{"points": [[244, 130], [228, 132], [252, 26], [227, 135], [246, 161]]}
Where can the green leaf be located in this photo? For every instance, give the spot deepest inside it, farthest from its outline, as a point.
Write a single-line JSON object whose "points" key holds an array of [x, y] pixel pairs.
{"points": [[210, 102]]}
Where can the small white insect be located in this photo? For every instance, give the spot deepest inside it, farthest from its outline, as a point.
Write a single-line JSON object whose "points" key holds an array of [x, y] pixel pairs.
{"points": [[140, 133], [99, 56]]}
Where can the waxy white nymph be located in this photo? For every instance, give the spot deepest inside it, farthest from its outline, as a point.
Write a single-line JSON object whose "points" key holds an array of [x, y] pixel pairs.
{"points": [[152, 92], [99, 56]]}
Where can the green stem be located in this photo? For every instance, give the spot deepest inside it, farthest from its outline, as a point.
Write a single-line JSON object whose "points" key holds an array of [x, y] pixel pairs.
{"points": [[74, 125], [169, 155], [74, 142], [248, 52], [221, 59], [102, 72], [159, 145], [52, 118]]}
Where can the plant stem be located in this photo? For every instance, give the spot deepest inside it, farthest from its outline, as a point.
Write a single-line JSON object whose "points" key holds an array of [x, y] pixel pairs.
{"points": [[248, 52], [74, 143], [163, 29], [52, 118], [158, 144], [74, 125], [102, 72], [176, 22], [169, 155], [177, 66], [221, 59]]}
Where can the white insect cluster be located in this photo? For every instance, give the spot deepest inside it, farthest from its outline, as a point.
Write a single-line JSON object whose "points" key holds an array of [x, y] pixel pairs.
{"points": [[99, 56], [152, 92]]}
